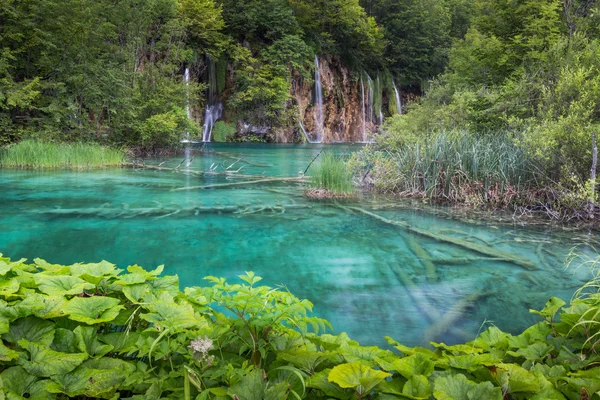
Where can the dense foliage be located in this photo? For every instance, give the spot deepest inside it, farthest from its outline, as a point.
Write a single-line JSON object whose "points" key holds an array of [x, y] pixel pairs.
{"points": [[525, 72], [95, 331]]}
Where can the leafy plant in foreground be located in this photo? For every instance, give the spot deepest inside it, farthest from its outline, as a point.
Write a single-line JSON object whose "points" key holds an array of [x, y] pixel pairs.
{"points": [[96, 331]]}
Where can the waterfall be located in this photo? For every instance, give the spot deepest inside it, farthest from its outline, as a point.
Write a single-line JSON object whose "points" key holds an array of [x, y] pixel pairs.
{"points": [[370, 112], [304, 132], [398, 100], [186, 79], [214, 108], [380, 100], [319, 102], [364, 127]]}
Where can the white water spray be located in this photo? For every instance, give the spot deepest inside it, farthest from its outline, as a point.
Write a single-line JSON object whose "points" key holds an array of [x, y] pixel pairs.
{"points": [[186, 79], [364, 116], [214, 108], [398, 100], [319, 102]]}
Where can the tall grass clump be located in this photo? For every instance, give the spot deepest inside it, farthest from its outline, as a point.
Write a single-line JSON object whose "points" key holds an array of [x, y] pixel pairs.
{"points": [[455, 166], [331, 177], [42, 155]]}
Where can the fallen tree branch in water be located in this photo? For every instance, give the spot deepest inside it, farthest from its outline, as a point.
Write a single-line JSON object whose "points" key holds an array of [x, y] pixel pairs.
{"points": [[423, 305], [229, 184], [478, 248]]}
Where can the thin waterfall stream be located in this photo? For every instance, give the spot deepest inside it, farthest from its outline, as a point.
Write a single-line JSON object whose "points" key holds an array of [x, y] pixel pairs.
{"points": [[398, 99], [214, 108], [319, 118]]}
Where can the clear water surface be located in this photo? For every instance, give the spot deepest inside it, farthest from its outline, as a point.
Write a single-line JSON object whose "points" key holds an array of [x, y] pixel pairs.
{"points": [[369, 278]]}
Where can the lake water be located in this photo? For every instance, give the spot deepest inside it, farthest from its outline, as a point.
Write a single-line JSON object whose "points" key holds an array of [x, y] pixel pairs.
{"points": [[369, 278]]}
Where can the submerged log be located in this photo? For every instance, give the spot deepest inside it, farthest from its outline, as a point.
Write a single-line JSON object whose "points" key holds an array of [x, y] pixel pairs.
{"points": [[478, 248], [422, 256], [422, 303], [452, 316], [229, 184]]}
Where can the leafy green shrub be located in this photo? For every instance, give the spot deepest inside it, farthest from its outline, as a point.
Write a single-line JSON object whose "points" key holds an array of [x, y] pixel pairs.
{"points": [[37, 154], [223, 131], [96, 331], [331, 173]]}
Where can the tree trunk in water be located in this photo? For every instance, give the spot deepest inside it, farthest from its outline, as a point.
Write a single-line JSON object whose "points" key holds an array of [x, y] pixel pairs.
{"points": [[593, 175]]}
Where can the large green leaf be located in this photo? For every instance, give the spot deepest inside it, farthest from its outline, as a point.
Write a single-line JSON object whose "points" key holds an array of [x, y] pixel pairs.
{"points": [[250, 387], [364, 354], [320, 381], [98, 378], [44, 306], [6, 266], [278, 391], [65, 341], [93, 310], [61, 285], [550, 309], [94, 273], [17, 380], [166, 313], [44, 362], [518, 378], [7, 354], [417, 387], [356, 376], [416, 364], [8, 287], [32, 329], [89, 344], [458, 387]]}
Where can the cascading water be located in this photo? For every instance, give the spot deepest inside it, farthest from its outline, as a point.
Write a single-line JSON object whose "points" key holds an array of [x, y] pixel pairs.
{"points": [[379, 100], [398, 100], [186, 79], [214, 108], [370, 112], [364, 116], [318, 102], [304, 132]]}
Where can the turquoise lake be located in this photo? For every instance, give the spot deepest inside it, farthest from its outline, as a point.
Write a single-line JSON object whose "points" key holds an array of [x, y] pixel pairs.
{"points": [[368, 278]]}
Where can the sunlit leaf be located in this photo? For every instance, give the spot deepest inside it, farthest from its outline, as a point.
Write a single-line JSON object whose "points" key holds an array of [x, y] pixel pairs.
{"points": [[61, 285], [356, 376], [93, 310]]}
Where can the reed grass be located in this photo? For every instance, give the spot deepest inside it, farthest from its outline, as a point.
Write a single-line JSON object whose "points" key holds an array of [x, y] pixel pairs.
{"points": [[43, 155], [458, 165], [332, 174]]}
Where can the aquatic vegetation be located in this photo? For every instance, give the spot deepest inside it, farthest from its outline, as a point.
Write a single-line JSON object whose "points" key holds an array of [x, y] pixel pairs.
{"points": [[96, 331], [330, 177], [454, 166], [36, 154]]}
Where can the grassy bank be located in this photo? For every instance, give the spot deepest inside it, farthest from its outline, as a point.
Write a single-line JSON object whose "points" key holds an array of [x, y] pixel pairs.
{"points": [[43, 155], [455, 166], [95, 331], [331, 178]]}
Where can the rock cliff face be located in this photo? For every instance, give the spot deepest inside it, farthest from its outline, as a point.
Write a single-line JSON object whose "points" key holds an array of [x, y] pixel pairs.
{"points": [[342, 105], [346, 117]]}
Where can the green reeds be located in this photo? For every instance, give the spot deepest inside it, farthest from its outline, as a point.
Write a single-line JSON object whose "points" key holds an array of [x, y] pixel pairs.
{"points": [[332, 174], [459, 165], [42, 155]]}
